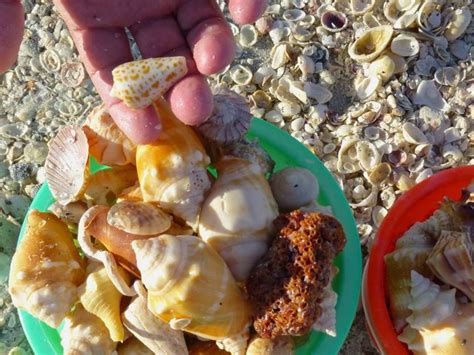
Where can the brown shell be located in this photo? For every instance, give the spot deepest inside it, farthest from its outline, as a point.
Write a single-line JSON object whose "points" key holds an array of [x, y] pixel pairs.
{"points": [[141, 218], [70, 213], [66, 166], [205, 348]]}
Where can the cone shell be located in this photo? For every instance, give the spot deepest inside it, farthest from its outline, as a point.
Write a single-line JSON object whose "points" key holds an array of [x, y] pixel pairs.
{"points": [[133, 346], [85, 334], [451, 261], [107, 143], [66, 165], [151, 331], [261, 346], [46, 269], [139, 83], [141, 218], [371, 44], [190, 286], [99, 296], [106, 185], [237, 216], [173, 170]]}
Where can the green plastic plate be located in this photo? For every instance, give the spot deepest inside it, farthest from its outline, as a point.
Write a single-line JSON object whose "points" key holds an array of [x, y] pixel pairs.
{"points": [[286, 151]]}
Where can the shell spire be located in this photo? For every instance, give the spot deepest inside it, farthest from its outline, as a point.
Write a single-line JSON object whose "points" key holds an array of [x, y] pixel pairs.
{"points": [[139, 83]]}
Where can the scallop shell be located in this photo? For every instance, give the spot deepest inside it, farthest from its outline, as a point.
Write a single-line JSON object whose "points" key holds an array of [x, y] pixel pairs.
{"points": [[237, 216], [70, 213], [458, 23], [107, 143], [173, 170], [451, 261], [139, 83], [405, 46], [46, 269], [262, 346], [229, 121], [189, 283], [371, 44], [334, 21], [429, 305], [140, 218], [85, 334], [384, 67], [66, 166], [294, 188], [360, 7], [427, 94], [99, 296], [151, 331], [248, 36]]}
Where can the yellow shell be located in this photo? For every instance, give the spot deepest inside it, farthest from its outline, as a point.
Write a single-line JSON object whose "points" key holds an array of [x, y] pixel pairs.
{"points": [[173, 170], [369, 46], [261, 346], [85, 334], [152, 331], [105, 185], [133, 346], [70, 213], [237, 216], [46, 269], [132, 193], [139, 83], [107, 143], [99, 296], [190, 286]]}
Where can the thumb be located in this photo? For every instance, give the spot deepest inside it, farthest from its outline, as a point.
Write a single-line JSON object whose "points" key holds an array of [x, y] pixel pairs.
{"points": [[246, 11], [11, 32]]}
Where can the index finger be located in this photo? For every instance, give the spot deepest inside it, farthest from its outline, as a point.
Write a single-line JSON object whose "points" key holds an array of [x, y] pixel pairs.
{"points": [[11, 31]]}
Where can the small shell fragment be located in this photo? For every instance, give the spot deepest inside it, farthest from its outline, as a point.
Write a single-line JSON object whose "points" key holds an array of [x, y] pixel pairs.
{"points": [[141, 218], [413, 134], [241, 75], [139, 83], [66, 166]]}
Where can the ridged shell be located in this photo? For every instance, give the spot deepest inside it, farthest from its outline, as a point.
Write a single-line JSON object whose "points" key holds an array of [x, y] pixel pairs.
{"points": [[99, 296], [85, 334], [133, 346], [70, 213], [46, 269], [451, 261], [173, 170], [294, 188], [190, 286], [105, 185], [66, 166], [107, 143], [237, 216], [141, 218], [261, 346], [371, 44], [429, 304], [139, 83], [151, 331]]}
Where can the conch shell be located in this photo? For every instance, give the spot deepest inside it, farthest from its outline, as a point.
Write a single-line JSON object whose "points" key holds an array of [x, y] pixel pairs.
{"points": [[85, 334], [46, 269], [99, 296], [133, 346], [451, 261], [151, 331], [139, 83], [262, 346], [371, 44], [107, 143], [237, 216], [173, 170], [190, 287]]}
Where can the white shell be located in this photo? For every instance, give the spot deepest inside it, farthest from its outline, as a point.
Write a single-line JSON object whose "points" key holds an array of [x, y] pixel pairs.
{"points": [[405, 46], [293, 15], [458, 24], [449, 76], [407, 20], [383, 66], [366, 87], [241, 75], [360, 7], [368, 155], [248, 36], [305, 65], [317, 92], [413, 134], [370, 20], [427, 94], [279, 56]]}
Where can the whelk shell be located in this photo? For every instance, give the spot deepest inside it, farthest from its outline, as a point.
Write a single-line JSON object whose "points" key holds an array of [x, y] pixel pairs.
{"points": [[404, 45], [371, 44], [139, 218], [334, 21], [360, 7], [248, 36], [66, 166], [458, 24]]}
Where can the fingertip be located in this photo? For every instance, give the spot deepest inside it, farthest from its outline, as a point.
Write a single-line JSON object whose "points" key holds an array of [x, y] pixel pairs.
{"points": [[245, 11], [212, 44], [11, 32], [141, 126], [191, 100]]}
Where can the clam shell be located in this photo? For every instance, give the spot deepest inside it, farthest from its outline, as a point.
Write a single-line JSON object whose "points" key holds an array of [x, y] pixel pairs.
{"points": [[368, 155], [293, 15], [280, 55], [66, 166], [427, 94], [334, 21], [240, 74], [400, 62], [384, 66], [449, 76], [458, 24], [380, 173], [413, 134], [366, 87], [318, 92], [407, 20], [405, 46], [140, 218], [70, 213], [248, 36], [360, 7], [371, 44]]}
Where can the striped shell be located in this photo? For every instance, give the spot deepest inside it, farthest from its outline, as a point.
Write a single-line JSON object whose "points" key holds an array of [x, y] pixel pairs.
{"points": [[66, 166], [190, 287], [173, 170], [139, 83]]}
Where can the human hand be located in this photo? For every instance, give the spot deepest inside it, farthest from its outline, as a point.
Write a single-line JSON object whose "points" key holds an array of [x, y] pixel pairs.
{"points": [[11, 31]]}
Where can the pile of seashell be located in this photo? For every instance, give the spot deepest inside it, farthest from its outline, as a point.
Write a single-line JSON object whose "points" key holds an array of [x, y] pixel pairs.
{"points": [[165, 248], [382, 94], [430, 281]]}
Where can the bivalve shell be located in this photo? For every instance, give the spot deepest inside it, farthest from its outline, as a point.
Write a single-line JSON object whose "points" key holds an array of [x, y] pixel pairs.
{"points": [[371, 44], [413, 134], [449, 76], [317, 92], [360, 7], [66, 166], [368, 155], [370, 20], [458, 24], [334, 21], [427, 94], [241, 75], [293, 15], [384, 66], [405, 46], [366, 87], [248, 36]]}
